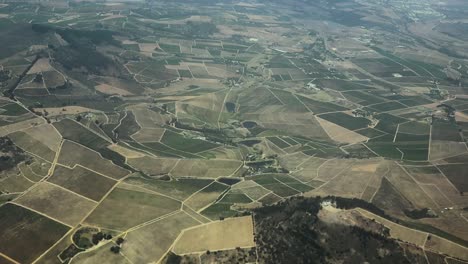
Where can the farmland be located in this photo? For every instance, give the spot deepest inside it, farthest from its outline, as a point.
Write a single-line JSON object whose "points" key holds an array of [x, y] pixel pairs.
{"points": [[206, 131], [127, 204], [15, 216]]}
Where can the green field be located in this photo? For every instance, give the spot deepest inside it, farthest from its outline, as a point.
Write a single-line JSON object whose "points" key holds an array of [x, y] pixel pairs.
{"points": [[347, 121], [191, 145], [319, 107], [12, 110], [178, 189], [30, 144], [74, 132], [219, 211]]}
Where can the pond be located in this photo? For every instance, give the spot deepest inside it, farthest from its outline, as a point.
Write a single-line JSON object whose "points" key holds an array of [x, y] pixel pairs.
{"points": [[249, 124], [231, 107]]}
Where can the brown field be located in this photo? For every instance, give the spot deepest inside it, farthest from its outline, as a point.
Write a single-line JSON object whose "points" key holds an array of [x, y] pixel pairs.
{"points": [[177, 67], [456, 174], [40, 167], [445, 149], [82, 181], [221, 72], [408, 188], [255, 192], [153, 166], [192, 112], [149, 243], [268, 148], [4, 101], [203, 198], [201, 53], [206, 168], [65, 206], [46, 134], [25, 235], [425, 174], [185, 49], [42, 65], [51, 257], [369, 192], [244, 184], [22, 125], [32, 145], [15, 183], [333, 168], [339, 133], [179, 189], [210, 101], [309, 170], [100, 255], [302, 124], [124, 209], [147, 118], [370, 166], [66, 110], [3, 258], [223, 153], [397, 231], [293, 161], [227, 234], [32, 85], [53, 79], [437, 196], [184, 85], [73, 153], [111, 90], [439, 244], [126, 152], [196, 216], [374, 183], [28, 173], [149, 134], [110, 16], [148, 47], [198, 70], [434, 179], [353, 182]]}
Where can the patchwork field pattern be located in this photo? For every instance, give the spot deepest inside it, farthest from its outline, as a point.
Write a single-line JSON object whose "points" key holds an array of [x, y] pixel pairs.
{"points": [[161, 131]]}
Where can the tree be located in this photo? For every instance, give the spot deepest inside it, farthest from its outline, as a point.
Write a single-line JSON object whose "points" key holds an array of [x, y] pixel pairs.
{"points": [[115, 249], [97, 237], [120, 240]]}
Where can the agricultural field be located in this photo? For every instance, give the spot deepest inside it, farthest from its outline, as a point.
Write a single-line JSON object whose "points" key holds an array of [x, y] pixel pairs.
{"points": [[21, 227], [82, 181], [206, 131], [212, 236], [60, 204], [127, 208]]}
